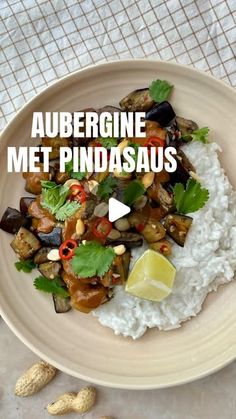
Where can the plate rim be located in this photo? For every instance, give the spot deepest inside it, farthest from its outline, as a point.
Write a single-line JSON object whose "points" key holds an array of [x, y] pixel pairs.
{"points": [[20, 334]]}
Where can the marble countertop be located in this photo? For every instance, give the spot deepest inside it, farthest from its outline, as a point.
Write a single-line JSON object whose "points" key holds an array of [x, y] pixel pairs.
{"points": [[213, 397]]}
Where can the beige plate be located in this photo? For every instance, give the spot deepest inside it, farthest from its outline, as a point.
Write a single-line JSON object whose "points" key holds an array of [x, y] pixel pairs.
{"points": [[74, 342]]}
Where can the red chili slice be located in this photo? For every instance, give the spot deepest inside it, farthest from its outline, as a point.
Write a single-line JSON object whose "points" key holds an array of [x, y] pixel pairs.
{"points": [[102, 227], [77, 193], [67, 249], [154, 142], [140, 227]]}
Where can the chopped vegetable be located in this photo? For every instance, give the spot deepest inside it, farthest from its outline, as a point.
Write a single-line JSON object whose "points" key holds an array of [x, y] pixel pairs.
{"points": [[25, 244], [190, 199], [12, 220], [67, 249], [52, 286], [67, 210], [52, 239], [50, 270], [138, 100], [102, 227], [106, 187], [154, 142], [160, 90], [153, 231], [177, 227], [25, 265], [163, 113], [92, 259], [61, 304], [133, 191], [77, 193]]}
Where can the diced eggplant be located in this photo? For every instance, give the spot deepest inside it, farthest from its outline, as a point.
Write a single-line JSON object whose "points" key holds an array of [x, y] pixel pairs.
{"points": [[55, 143], [53, 239], [130, 240], [137, 101], [50, 270], [162, 113], [186, 126], [177, 227], [25, 244], [162, 246], [153, 129], [61, 304], [61, 177], [12, 220], [33, 180], [25, 203], [42, 255], [108, 108], [159, 194], [126, 262], [184, 166], [153, 231]]}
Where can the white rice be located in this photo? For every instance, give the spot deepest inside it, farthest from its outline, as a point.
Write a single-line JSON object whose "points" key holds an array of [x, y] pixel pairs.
{"points": [[207, 260]]}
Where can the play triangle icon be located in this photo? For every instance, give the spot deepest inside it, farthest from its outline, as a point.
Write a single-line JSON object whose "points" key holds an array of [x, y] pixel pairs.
{"points": [[117, 209]]}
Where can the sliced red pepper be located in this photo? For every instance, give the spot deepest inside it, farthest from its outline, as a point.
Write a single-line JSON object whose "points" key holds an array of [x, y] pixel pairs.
{"points": [[154, 142], [77, 193], [102, 227], [67, 249], [140, 227]]}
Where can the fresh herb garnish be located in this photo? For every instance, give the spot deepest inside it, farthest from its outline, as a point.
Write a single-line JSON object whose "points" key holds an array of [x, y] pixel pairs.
{"points": [[133, 191], [106, 187], [190, 199], [54, 286], [92, 259], [47, 184], [70, 170], [25, 265], [200, 135], [160, 90], [108, 142], [53, 197], [67, 210]]}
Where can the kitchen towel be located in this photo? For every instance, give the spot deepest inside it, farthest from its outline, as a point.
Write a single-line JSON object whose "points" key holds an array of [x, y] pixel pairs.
{"points": [[43, 40]]}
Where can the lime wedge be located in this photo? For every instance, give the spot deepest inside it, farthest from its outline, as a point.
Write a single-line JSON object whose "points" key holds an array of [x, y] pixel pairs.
{"points": [[152, 277]]}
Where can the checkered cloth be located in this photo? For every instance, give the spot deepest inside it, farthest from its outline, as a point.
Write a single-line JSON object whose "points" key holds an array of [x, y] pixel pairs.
{"points": [[43, 40]]}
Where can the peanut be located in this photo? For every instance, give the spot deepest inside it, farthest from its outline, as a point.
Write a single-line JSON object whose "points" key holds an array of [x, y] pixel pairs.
{"points": [[101, 210], [122, 224], [53, 255], [148, 179], [93, 186], [122, 175], [122, 145], [71, 182], [119, 250], [80, 402], [80, 227], [114, 234], [35, 378]]}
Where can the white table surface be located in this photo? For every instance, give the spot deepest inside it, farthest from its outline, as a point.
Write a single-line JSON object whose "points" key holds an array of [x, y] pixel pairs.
{"points": [[213, 397]]}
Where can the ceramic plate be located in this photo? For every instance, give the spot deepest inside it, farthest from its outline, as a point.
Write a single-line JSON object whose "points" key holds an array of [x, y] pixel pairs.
{"points": [[74, 342]]}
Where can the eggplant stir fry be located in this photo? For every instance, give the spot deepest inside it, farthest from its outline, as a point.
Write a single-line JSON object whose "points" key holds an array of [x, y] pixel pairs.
{"points": [[63, 230]]}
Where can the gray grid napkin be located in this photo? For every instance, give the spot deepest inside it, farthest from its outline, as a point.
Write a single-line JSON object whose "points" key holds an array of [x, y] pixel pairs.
{"points": [[43, 40]]}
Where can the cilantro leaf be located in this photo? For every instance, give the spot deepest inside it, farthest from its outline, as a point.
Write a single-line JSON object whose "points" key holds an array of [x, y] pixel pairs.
{"points": [[52, 286], [108, 142], [106, 187], [200, 134], [133, 191], [48, 184], [25, 265], [160, 90], [68, 209], [190, 199], [69, 168], [53, 197], [92, 259]]}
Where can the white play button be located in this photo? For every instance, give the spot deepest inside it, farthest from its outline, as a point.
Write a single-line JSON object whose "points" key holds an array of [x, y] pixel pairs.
{"points": [[117, 210]]}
